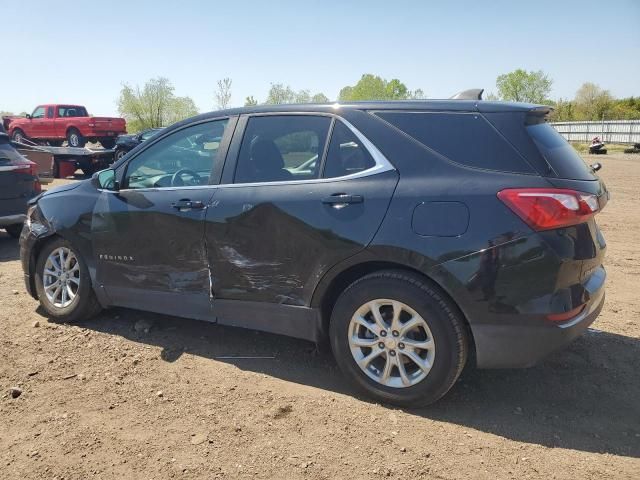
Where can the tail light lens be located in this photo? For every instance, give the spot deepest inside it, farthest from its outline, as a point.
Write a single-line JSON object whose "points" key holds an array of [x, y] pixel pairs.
{"points": [[549, 208]]}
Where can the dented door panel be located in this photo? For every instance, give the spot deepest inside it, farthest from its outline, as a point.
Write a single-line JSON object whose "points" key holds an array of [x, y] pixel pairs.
{"points": [[142, 243], [273, 243]]}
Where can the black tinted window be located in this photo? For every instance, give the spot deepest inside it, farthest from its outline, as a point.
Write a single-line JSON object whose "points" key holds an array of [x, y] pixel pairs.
{"points": [[559, 154], [463, 138], [346, 154], [282, 147], [72, 111]]}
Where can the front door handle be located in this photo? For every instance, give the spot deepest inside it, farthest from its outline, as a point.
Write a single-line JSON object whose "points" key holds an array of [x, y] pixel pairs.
{"points": [[340, 200], [186, 204]]}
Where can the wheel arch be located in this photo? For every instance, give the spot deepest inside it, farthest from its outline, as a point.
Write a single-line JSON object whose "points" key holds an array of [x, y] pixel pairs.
{"points": [[324, 298]]}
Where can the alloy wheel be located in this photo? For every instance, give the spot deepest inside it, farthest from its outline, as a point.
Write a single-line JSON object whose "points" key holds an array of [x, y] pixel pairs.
{"points": [[61, 277], [391, 343]]}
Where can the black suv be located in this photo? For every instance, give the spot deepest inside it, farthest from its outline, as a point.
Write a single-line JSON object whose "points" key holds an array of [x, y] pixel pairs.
{"points": [[411, 235]]}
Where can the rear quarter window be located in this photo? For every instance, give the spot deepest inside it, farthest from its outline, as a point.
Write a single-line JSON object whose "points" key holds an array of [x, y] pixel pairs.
{"points": [[464, 138], [558, 153]]}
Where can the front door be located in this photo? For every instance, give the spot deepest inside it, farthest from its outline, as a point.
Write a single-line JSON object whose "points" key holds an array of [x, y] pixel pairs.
{"points": [[149, 236], [308, 192], [37, 127]]}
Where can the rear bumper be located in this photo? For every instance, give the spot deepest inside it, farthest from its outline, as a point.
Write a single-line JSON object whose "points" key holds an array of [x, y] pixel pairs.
{"points": [[12, 219], [519, 346]]}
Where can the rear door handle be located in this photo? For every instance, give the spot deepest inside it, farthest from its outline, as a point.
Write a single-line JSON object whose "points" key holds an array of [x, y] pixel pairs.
{"points": [[339, 200], [342, 198], [186, 204]]}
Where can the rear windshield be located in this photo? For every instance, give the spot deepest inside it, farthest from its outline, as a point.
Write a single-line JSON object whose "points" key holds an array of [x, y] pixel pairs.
{"points": [[465, 138], [8, 154], [558, 153]]}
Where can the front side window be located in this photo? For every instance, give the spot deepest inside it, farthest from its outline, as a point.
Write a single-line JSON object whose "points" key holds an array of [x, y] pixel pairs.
{"points": [[184, 158], [38, 113], [346, 154], [281, 148]]}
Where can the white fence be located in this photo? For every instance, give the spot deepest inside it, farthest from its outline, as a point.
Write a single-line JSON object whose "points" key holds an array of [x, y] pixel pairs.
{"points": [[610, 131]]}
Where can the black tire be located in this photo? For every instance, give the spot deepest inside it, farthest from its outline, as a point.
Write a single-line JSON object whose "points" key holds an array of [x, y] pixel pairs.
{"points": [[84, 305], [18, 135], [447, 327], [119, 154], [108, 142], [75, 138], [14, 230]]}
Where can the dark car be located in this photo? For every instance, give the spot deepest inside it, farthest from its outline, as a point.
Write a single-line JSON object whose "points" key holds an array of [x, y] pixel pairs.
{"points": [[413, 236], [18, 183], [126, 143]]}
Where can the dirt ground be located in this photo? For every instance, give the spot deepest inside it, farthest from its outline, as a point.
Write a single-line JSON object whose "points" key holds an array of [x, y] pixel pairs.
{"points": [[136, 395]]}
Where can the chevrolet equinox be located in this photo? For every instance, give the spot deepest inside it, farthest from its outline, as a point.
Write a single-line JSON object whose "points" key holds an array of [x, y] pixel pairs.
{"points": [[411, 236]]}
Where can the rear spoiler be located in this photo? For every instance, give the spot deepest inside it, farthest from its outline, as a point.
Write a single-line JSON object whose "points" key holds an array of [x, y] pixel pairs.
{"points": [[471, 94]]}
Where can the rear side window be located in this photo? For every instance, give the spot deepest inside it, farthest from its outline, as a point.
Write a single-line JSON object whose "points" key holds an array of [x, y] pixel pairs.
{"points": [[558, 153], [72, 111], [281, 148], [346, 153], [464, 138]]}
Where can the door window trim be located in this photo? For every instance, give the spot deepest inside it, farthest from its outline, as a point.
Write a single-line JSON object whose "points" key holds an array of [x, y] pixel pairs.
{"points": [[382, 164]]}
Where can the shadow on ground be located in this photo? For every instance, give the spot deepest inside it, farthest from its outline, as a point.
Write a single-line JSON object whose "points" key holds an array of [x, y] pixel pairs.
{"points": [[586, 397]]}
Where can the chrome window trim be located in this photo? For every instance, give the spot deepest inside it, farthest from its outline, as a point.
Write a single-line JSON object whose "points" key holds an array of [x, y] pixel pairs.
{"points": [[382, 164]]}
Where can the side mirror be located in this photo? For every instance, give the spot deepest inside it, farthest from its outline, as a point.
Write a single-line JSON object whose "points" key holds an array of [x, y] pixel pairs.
{"points": [[596, 166], [105, 180], [28, 116]]}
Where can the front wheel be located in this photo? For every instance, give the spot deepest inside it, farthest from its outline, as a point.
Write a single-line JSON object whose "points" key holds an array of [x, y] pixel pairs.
{"points": [[18, 136], [398, 338], [63, 283]]}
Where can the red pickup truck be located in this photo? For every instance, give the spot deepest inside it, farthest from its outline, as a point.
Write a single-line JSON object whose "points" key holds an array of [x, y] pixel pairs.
{"points": [[55, 123]]}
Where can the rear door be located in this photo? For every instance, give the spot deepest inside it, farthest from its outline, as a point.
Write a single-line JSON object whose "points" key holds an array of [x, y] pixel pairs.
{"points": [[299, 194], [149, 236]]}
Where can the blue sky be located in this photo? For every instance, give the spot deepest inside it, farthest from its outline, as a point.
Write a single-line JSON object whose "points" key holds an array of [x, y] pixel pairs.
{"points": [[82, 52]]}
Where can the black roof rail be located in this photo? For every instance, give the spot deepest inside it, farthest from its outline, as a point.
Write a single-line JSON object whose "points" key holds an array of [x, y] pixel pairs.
{"points": [[471, 94]]}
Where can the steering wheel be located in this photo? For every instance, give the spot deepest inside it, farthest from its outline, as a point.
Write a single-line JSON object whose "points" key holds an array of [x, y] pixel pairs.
{"points": [[177, 181]]}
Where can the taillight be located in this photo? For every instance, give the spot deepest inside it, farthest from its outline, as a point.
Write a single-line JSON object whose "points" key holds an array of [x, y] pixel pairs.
{"points": [[31, 169], [549, 208]]}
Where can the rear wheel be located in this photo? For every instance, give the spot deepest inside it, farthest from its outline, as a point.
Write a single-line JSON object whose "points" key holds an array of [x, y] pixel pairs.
{"points": [[75, 139], [398, 338], [119, 154], [18, 136], [108, 142], [14, 230], [63, 283]]}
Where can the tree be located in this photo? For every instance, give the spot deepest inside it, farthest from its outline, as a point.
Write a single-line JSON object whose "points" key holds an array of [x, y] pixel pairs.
{"points": [[280, 94], [223, 94], [563, 111], [592, 102], [523, 86], [250, 101], [372, 87], [320, 98], [155, 105]]}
